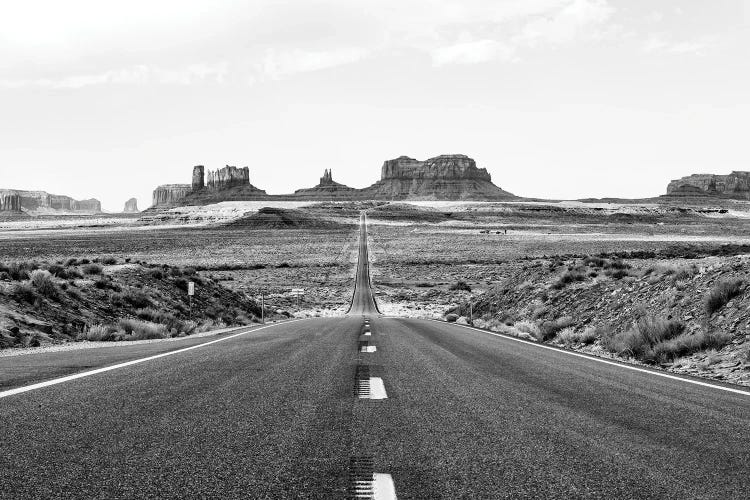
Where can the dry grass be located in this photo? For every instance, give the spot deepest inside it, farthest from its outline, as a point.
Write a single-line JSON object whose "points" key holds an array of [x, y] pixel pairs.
{"points": [[570, 336], [721, 293]]}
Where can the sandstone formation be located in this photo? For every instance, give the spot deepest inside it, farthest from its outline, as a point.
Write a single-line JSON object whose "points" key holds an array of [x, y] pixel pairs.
{"points": [[735, 185], [445, 177], [42, 201], [169, 195], [10, 201], [328, 189], [131, 206], [90, 205], [198, 177], [227, 177]]}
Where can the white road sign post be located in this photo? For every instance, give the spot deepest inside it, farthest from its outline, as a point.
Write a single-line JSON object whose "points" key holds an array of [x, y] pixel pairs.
{"points": [[191, 292]]}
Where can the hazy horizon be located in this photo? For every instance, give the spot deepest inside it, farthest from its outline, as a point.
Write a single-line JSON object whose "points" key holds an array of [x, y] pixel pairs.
{"points": [[558, 99]]}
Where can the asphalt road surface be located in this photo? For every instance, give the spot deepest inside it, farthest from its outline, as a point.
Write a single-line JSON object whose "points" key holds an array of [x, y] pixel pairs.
{"points": [[273, 413]]}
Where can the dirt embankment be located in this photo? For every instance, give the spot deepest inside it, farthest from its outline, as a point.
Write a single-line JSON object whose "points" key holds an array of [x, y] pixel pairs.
{"points": [[685, 315], [42, 302]]}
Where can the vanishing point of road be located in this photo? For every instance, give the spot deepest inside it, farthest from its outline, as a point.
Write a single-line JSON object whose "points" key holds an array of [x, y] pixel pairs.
{"points": [[362, 406]]}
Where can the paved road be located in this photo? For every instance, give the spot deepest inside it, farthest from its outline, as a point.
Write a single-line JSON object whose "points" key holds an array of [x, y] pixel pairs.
{"points": [[273, 414]]}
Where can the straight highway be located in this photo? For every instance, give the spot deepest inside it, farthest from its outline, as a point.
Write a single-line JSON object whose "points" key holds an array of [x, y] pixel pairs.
{"points": [[295, 411]]}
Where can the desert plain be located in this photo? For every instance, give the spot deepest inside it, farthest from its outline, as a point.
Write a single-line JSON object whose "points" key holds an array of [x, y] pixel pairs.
{"points": [[653, 284]]}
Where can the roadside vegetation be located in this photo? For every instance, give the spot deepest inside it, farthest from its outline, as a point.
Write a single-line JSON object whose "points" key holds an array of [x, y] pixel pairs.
{"points": [[690, 316], [107, 298]]}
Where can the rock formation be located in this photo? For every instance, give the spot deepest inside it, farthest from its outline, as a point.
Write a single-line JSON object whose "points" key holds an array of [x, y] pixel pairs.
{"points": [[735, 185], [91, 205], [328, 189], [10, 201], [131, 206], [445, 177], [226, 178], [41, 201], [444, 167], [198, 178], [169, 195]]}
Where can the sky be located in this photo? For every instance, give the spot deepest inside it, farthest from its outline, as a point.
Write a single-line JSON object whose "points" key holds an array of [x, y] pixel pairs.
{"points": [[558, 99]]}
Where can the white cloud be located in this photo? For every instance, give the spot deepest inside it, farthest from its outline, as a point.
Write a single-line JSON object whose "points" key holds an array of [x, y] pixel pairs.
{"points": [[472, 53], [578, 19], [278, 63], [134, 75], [659, 44]]}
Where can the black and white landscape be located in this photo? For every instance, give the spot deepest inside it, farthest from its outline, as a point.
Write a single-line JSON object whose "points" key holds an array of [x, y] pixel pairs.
{"points": [[375, 250]]}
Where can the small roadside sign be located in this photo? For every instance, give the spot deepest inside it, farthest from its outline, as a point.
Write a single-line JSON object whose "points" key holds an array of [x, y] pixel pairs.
{"points": [[191, 288]]}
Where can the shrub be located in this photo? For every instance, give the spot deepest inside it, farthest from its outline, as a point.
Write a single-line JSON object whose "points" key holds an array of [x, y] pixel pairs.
{"points": [[721, 293], [16, 271], [136, 298], [101, 332], [84, 261], [567, 278], [594, 262], [528, 327], [163, 318], [156, 273], [108, 260], [104, 283], [92, 269], [460, 285], [72, 273], [141, 330], [43, 282], [639, 340], [71, 262], [569, 336], [685, 344], [181, 283], [24, 292], [549, 329]]}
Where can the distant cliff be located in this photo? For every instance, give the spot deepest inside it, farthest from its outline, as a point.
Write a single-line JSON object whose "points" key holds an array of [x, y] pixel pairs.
{"points": [[131, 206], [445, 177], [735, 185], [41, 201], [10, 201], [328, 189], [169, 195]]}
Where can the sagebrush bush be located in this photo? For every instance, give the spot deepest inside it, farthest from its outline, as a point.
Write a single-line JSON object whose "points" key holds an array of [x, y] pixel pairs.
{"points": [[136, 298], [164, 318], [639, 340], [685, 344], [44, 283], [92, 269], [24, 292], [548, 329], [567, 278], [108, 260], [528, 327], [141, 330], [570, 336], [101, 332], [721, 293]]}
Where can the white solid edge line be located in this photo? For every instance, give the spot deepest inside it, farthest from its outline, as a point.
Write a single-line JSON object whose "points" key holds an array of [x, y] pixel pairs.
{"points": [[600, 360], [383, 487], [68, 378]]}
